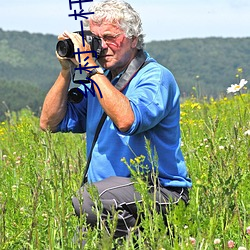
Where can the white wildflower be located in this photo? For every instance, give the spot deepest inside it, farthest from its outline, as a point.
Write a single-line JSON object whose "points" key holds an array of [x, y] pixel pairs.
{"points": [[242, 248], [217, 241], [247, 133], [236, 87]]}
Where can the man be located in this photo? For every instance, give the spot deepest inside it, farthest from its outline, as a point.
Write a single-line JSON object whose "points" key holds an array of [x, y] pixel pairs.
{"points": [[141, 100]]}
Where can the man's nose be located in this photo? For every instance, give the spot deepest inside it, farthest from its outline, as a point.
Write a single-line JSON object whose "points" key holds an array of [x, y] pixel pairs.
{"points": [[104, 44]]}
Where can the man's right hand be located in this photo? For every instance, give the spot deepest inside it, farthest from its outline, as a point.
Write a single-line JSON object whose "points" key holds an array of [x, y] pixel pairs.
{"points": [[66, 63]]}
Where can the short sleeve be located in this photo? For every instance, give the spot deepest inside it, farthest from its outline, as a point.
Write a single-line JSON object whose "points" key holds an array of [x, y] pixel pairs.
{"points": [[153, 96]]}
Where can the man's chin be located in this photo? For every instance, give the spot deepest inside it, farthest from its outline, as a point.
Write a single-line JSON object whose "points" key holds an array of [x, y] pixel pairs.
{"points": [[104, 63]]}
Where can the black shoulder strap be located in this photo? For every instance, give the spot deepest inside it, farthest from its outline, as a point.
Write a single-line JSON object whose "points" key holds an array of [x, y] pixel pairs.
{"points": [[137, 63], [97, 132]]}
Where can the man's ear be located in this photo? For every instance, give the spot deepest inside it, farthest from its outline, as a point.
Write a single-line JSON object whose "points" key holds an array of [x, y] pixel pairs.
{"points": [[134, 42]]}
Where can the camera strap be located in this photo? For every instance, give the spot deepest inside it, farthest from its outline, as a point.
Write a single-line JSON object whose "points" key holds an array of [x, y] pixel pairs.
{"points": [[136, 64]]}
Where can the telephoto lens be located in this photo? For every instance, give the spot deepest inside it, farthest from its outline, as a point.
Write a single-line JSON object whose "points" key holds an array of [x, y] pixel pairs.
{"points": [[75, 95], [65, 48]]}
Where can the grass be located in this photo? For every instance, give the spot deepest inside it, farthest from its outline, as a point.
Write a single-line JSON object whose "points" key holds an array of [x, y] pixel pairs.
{"points": [[40, 172]]}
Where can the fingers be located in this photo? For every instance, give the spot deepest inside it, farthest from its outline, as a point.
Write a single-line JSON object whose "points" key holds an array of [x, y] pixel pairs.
{"points": [[69, 35], [67, 63], [63, 36], [75, 38]]}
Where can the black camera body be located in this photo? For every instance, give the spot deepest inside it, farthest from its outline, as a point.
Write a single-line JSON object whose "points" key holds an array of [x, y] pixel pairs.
{"points": [[65, 48]]}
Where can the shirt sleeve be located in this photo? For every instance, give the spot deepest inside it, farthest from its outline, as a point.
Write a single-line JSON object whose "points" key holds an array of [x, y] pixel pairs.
{"points": [[75, 118], [154, 96]]}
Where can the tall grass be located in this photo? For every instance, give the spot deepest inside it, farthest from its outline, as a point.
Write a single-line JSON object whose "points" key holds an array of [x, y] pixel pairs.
{"points": [[40, 172]]}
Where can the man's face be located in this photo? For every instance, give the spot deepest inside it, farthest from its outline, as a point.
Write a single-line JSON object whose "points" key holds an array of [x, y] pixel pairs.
{"points": [[118, 50]]}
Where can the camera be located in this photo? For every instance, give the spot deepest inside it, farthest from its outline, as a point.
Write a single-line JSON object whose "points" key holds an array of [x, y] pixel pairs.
{"points": [[65, 48]]}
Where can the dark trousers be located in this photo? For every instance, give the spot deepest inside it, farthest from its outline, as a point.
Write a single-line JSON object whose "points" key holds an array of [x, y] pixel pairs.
{"points": [[119, 194]]}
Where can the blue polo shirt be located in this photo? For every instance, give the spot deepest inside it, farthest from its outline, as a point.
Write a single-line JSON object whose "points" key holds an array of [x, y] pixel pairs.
{"points": [[154, 97]]}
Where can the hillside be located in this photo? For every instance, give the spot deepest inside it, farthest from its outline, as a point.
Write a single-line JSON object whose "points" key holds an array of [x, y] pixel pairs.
{"points": [[28, 66]]}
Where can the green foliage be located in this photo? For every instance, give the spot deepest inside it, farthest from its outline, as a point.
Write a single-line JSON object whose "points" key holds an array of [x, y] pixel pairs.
{"points": [[28, 58], [14, 95], [40, 172], [36, 184], [28, 68]]}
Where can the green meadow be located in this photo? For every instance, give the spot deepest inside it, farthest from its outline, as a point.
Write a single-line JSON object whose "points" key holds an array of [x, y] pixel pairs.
{"points": [[40, 172]]}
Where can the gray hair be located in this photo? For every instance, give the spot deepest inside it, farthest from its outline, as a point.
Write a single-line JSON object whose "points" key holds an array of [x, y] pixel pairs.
{"points": [[120, 13]]}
